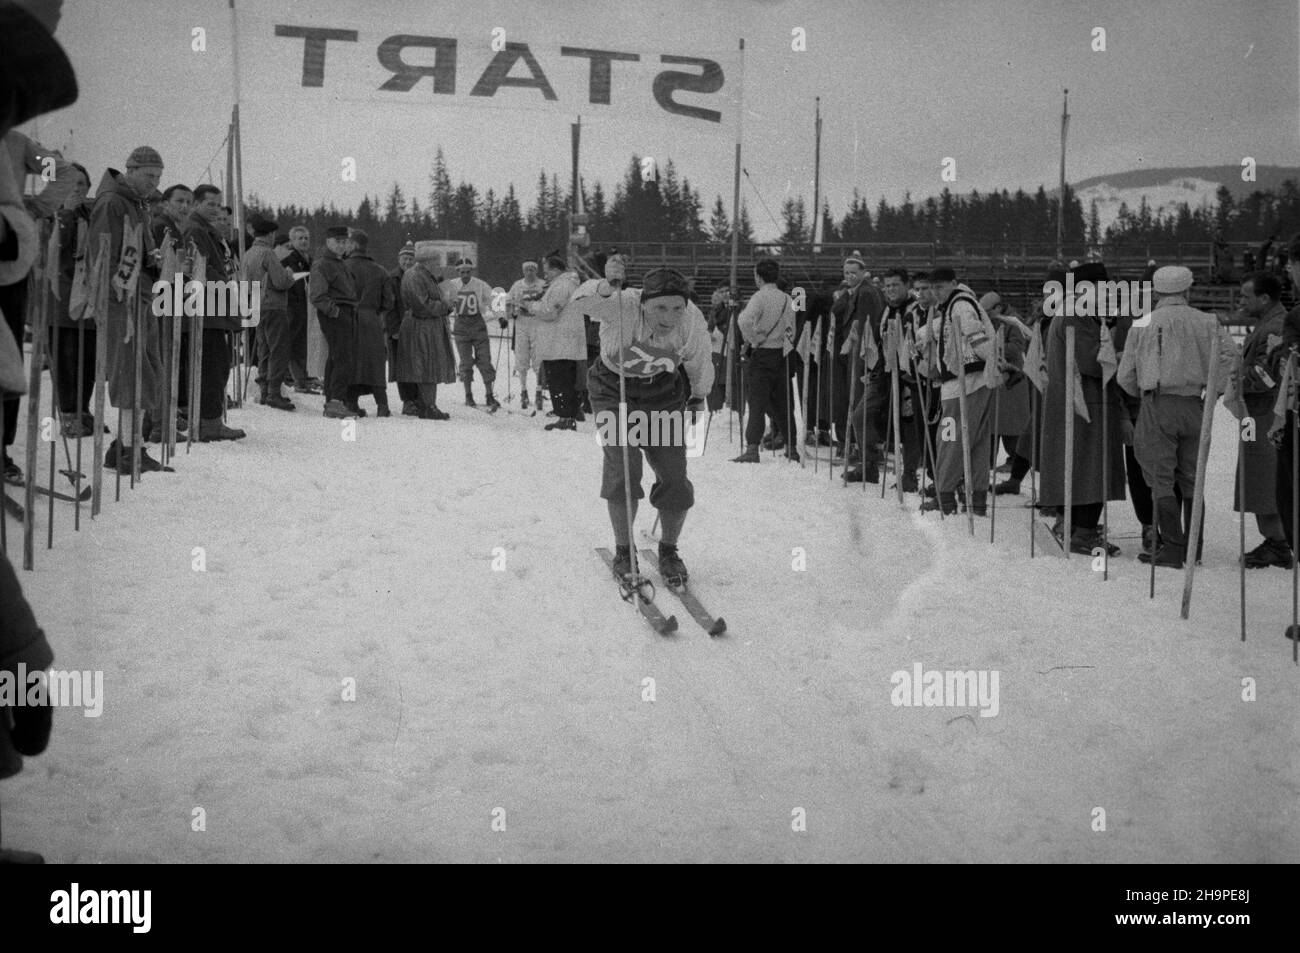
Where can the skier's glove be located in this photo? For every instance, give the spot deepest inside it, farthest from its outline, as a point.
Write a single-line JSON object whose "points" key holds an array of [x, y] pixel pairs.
{"points": [[503, 323], [1126, 430]]}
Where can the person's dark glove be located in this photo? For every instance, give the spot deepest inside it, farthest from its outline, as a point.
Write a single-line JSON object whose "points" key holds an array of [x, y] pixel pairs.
{"points": [[503, 323]]}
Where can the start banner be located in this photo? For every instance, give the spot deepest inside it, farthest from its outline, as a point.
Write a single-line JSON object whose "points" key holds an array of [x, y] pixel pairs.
{"points": [[337, 52]]}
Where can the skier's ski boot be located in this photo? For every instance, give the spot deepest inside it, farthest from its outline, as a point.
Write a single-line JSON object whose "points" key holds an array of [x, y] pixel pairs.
{"points": [[1007, 488], [671, 567], [622, 567], [523, 400], [469, 397], [946, 501], [868, 474], [383, 410], [410, 408], [562, 423], [492, 404], [749, 456]]}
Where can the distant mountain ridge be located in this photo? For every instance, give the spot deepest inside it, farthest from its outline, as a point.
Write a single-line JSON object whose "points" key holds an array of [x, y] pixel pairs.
{"points": [[1267, 177]]}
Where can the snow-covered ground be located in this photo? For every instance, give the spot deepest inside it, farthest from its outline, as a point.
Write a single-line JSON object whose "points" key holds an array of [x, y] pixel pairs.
{"points": [[515, 697]]}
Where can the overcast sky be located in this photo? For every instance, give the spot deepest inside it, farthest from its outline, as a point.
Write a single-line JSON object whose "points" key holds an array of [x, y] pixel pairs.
{"points": [[903, 85]]}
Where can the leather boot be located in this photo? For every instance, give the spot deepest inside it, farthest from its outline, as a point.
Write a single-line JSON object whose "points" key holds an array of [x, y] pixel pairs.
{"points": [[1172, 548]]}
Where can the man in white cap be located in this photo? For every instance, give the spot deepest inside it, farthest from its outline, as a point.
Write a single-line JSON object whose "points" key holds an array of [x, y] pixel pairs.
{"points": [[527, 289], [1166, 363]]}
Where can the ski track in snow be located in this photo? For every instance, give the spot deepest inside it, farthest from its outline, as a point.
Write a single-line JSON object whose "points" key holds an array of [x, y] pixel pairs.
{"points": [[521, 689]]}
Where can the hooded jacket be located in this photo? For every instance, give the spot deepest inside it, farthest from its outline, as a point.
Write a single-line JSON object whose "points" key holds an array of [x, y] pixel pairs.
{"points": [[117, 204]]}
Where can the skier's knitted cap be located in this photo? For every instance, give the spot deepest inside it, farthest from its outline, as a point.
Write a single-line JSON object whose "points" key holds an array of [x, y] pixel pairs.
{"points": [[281, 238], [425, 251], [943, 273], [407, 249], [144, 156], [336, 231], [464, 263], [663, 283], [990, 301], [529, 261], [1171, 280], [855, 257]]}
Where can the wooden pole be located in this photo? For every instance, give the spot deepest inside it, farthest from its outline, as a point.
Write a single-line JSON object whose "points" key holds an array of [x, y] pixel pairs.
{"points": [[101, 374], [1198, 494], [963, 411], [1060, 217], [817, 175], [1241, 509], [1033, 464], [1067, 510], [35, 315]]}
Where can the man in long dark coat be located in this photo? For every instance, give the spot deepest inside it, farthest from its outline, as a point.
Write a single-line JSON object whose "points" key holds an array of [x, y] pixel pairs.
{"points": [[1091, 487], [425, 354], [374, 301], [334, 294]]}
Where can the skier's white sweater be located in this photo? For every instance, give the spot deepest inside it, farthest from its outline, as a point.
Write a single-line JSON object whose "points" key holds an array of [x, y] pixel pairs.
{"points": [[685, 345]]}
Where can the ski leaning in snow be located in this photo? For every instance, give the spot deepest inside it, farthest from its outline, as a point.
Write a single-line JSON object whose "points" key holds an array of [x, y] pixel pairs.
{"points": [[84, 496], [689, 600], [653, 614], [13, 507]]}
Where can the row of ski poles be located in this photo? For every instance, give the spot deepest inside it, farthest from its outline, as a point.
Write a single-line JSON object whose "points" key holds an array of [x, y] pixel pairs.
{"points": [[43, 288]]}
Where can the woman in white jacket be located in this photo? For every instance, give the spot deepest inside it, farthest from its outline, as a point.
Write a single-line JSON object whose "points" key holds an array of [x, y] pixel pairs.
{"points": [[561, 342]]}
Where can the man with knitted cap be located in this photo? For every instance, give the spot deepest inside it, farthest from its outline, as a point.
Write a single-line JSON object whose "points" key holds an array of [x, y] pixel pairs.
{"points": [[648, 337], [1166, 362], [122, 201]]}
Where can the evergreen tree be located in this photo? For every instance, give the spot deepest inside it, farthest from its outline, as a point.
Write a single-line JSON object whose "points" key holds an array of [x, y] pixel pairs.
{"points": [[440, 195], [795, 219], [719, 224], [744, 229]]}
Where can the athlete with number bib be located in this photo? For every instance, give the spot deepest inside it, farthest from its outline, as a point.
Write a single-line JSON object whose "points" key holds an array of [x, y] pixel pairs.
{"points": [[650, 335], [470, 299]]}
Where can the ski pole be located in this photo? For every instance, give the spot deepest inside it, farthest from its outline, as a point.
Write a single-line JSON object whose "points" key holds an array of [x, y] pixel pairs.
{"points": [[622, 439], [81, 394], [1241, 508], [1198, 488]]}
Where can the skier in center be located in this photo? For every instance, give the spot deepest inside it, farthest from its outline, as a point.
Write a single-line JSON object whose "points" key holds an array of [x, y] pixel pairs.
{"points": [[649, 336]]}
